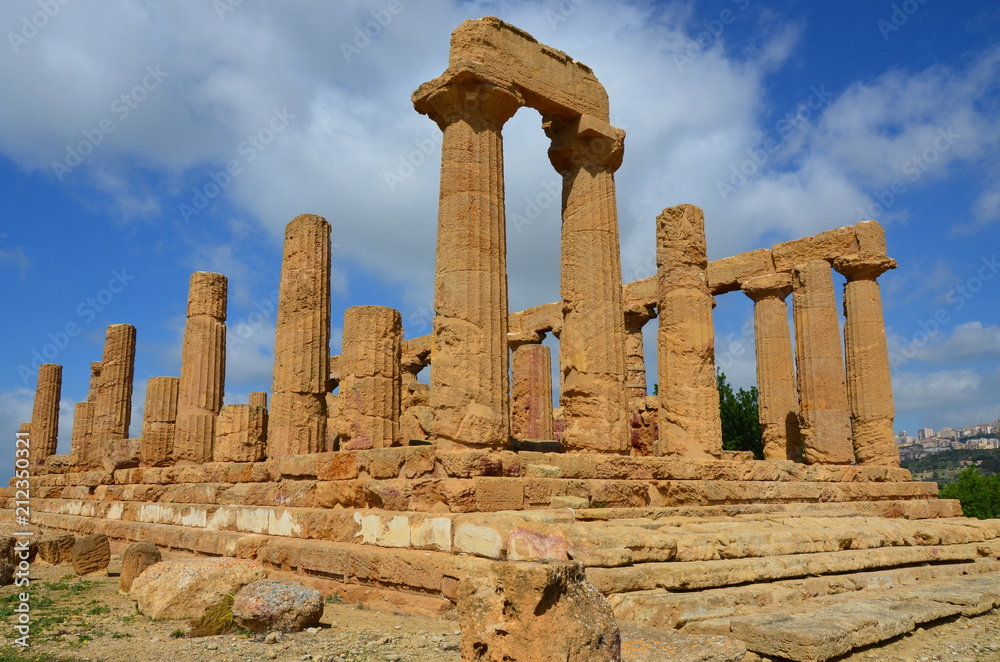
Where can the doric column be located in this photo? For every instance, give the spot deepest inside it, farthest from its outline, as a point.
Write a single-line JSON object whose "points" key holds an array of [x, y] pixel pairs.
{"points": [[636, 318], [688, 389], [113, 405], [297, 418], [469, 382], [159, 421], [869, 383], [258, 399], [778, 404], [203, 368], [370, 386], [587, 152], [531, 393], [45, 413], [819, 357], [83, 427]]}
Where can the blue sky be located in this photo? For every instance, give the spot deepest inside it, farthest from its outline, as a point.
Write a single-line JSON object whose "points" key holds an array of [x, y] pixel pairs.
{"points": [[141, 141]]}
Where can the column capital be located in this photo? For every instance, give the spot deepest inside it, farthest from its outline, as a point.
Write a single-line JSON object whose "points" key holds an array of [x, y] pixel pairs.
{"points": [[517, 338], [481, 104], [777, 286], [585, 142], [864, 265], [637, 315]]}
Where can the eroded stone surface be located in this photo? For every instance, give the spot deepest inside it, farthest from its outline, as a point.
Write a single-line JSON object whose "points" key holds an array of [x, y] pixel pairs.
{"points": [[137, 557], [185, 589], [297, 418], [45, 413], [277, 606], [819, 356], [534, 613], [371, 382], [689, 397]]}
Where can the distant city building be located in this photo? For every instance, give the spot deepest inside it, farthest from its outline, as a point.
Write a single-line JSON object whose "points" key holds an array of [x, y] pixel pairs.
{"points": [[925, 433]]}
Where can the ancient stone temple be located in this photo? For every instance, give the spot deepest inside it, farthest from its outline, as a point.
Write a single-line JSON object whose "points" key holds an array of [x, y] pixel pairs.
{"points": [[360, 479]]}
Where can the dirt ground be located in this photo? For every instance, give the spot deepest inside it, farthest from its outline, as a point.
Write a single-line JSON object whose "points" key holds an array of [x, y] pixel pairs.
{"points": [[76, 619]]}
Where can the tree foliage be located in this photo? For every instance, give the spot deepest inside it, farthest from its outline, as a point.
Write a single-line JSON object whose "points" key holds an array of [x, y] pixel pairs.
{"points": [[979, 494], [740, 421]]}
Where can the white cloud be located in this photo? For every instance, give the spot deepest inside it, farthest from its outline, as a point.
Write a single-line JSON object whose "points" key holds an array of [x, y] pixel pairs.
{"points": [[950, 398], [966, 342]]}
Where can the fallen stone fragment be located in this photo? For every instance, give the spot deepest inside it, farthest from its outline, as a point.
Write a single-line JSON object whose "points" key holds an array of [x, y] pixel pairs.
{"points": [[277, 606], [91, 554], [185, 589], [137, 557]]}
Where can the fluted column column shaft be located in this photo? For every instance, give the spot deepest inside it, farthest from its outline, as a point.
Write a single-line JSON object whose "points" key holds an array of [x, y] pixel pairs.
{"points": [[635, 355], [45, 412], [113, 404], [823, 409], [592, 342], [469, 381], [778, 406], [531, 393], [203, 368], [689, 422], [869, 382], [297, 418], [370, 387], [159, 421]]}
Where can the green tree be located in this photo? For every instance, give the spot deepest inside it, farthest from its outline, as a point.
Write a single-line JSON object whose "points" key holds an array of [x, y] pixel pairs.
{"points": [[740, 421], [979, 494]]}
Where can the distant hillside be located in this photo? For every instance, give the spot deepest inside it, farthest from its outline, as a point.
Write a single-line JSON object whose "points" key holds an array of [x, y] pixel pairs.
{"points": [[944, 467]]}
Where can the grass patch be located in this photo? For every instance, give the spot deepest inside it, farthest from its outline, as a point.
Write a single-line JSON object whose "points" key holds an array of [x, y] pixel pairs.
{"points": [[334, 599], [99, 609], [177, 634], [217, 619]]}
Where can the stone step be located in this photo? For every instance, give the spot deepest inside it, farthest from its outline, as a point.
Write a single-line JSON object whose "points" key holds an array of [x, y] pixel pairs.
{"points": [[824, 628], [423, 461], [492, 494], [687, 610], [542, 535], [715, 574]]}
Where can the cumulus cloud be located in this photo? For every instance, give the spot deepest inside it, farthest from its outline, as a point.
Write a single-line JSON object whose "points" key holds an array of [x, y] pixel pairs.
{"points": [[966, 342], [953, 398]]}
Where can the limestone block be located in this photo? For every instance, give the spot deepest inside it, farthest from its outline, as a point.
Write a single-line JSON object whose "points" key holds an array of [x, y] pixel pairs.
{"points": [[688, 394], [592, 340], [45, 413], [258, 399], [726, 274], [371, 385], [871, 237], [824, 246], [185, 589], [535, 612], [56, 548], [240, 433], [302, 427], [159, 421], [91, 554], [137, 557]]}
